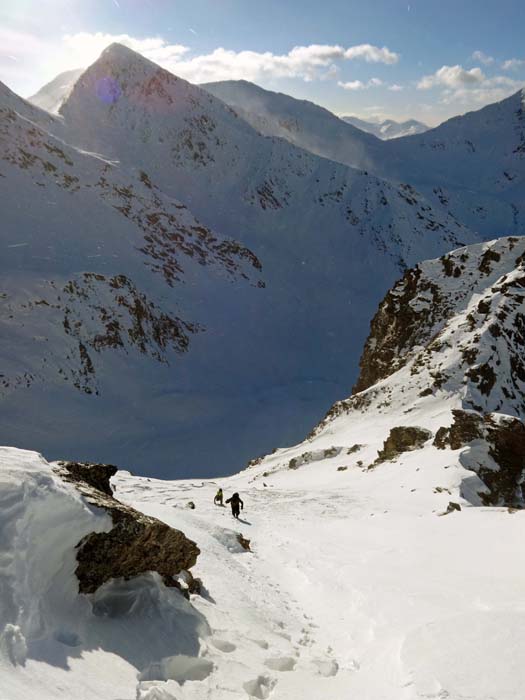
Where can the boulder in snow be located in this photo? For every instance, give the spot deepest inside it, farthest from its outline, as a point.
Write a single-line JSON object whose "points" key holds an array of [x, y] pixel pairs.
{"points": [[136, 544]]}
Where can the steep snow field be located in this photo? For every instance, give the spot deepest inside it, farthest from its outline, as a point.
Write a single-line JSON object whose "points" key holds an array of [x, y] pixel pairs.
{"points": [[355, 587]]}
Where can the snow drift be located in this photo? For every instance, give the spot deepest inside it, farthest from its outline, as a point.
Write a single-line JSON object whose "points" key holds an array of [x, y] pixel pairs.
{"points": [[48, 629]]}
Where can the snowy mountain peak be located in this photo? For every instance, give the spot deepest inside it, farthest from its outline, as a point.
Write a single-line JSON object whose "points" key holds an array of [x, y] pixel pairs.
{"points": [[120, 63], [388, 128], [300, 122], [120, 52], [117, 57], [51, 95]]}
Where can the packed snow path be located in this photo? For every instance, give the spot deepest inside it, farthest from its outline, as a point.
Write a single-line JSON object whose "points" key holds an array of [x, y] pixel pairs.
{"points": [[349, 591]]}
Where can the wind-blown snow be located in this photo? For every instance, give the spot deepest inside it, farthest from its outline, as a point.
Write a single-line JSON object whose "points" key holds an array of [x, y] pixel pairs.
{"points": [[471, 165], [51, 96], [55, 643]]}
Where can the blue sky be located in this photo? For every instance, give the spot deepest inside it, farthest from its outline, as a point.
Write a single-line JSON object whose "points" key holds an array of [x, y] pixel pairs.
{"points": [[412, 58]]}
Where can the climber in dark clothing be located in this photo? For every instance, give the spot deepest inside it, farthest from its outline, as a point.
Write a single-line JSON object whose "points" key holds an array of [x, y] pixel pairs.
{"points": [[235, 501]]}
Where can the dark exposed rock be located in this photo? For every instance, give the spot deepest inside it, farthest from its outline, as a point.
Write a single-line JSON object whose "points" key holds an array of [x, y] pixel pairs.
{"points": [[484, 376], [136, 544], [402, 439], [293, 463], [452, 507], [412, 325], [96, 475], [331, 452], [245, 544], [467, 426], [504, 438], [195, 586], [354, 448], [507, 448], [488, 256], [395, 328]]}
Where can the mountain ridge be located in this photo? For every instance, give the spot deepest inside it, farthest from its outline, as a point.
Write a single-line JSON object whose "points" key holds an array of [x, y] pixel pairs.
{"points": [[329, 240]]}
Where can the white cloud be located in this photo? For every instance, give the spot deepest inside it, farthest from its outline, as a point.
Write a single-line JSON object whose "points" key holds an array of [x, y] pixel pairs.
{"points": [[471, 88], [482, 58], [303, 62], [451, 77], [513, 64], [359, 85], [395, 87], [491, 90], [42, 59], [352, 85], [372, 54]]}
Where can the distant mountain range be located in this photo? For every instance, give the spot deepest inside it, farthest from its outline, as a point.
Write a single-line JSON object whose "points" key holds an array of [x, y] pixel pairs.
{"points": [[388, 128], [473, 165]]}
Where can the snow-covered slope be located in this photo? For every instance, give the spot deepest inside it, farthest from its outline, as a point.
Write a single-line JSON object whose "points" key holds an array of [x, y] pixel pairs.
{"points": [[103, 283], [472, 166], [300, 122], [51, 95], [388, 128], [263, 354], [445, 348]]}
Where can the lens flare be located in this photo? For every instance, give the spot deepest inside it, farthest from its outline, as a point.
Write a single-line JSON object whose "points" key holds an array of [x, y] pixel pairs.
{"points": [[108, 90]]}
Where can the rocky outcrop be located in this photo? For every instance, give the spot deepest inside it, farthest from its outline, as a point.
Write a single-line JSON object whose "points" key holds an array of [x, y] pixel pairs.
{"points": [[456, 319], [314, 456], [396, 328], [467, 426], [86, 474], [499, 460], [136, 544], [402, 439]]}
